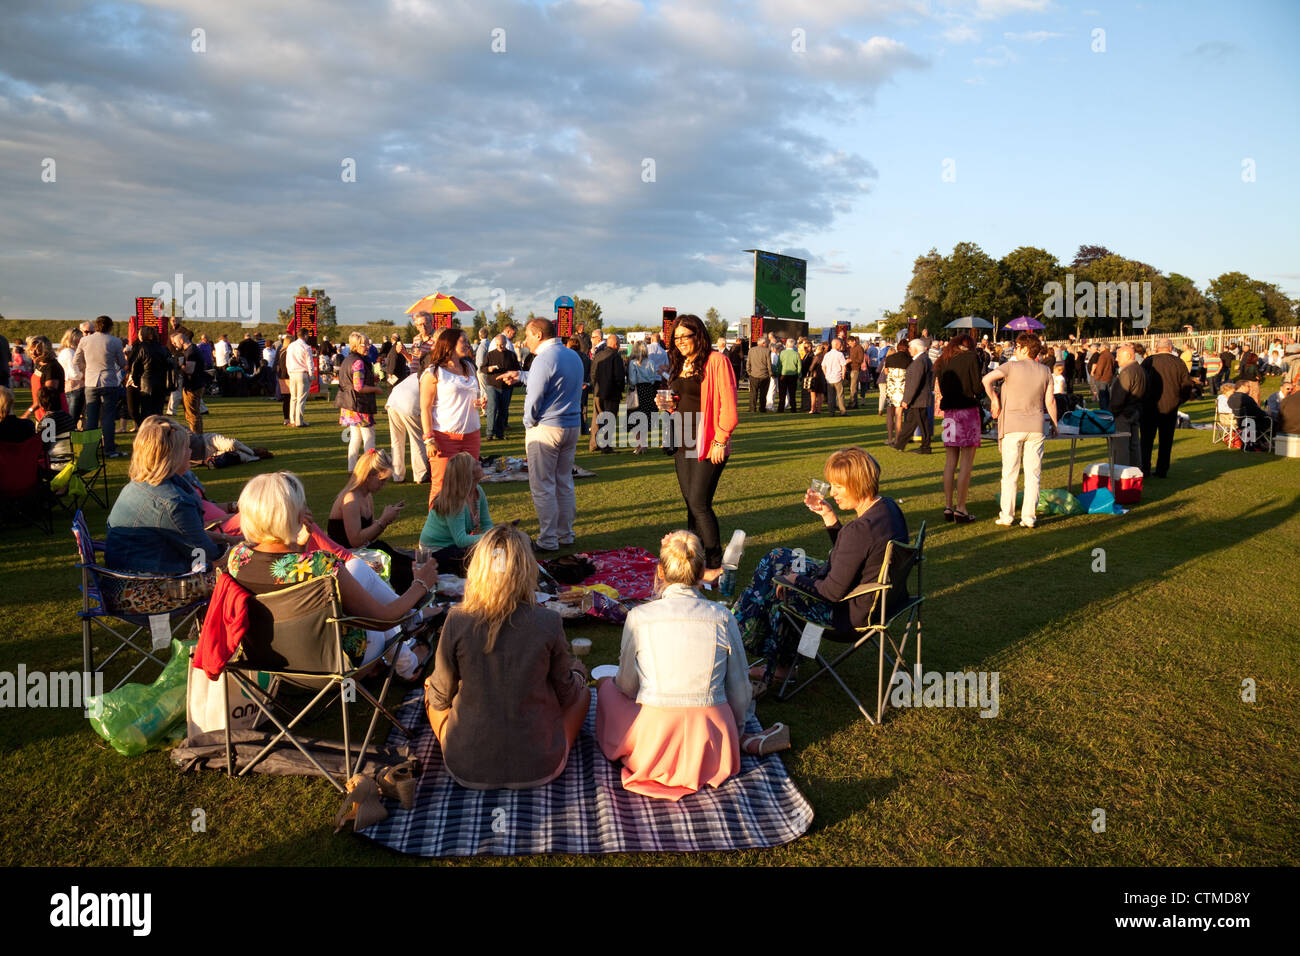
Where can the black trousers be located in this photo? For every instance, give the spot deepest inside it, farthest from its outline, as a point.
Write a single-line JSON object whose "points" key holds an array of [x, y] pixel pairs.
{"points": [[787, 389], [146, 405], [758, 394], [1154, 423], [914, 417], [698, 480]]}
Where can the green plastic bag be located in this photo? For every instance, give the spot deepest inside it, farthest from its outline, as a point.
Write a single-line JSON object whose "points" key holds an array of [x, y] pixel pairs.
{"points": [[138, 717], [1054, 501]]}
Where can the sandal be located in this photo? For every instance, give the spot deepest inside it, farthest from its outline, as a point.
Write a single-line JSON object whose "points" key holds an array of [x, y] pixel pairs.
{"points": [[948, 514], [962, 517], [361, 805], [775, 738], [399, 782]]}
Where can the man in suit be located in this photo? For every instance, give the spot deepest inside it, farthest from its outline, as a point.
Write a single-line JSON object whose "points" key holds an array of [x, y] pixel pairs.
{"points": [[759, 365], [608, 378], [1168, 386], [918, 395]]}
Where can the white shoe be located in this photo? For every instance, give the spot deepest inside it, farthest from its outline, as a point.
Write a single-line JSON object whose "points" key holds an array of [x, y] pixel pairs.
{"points": [[1026, 524], [1005, 522]]}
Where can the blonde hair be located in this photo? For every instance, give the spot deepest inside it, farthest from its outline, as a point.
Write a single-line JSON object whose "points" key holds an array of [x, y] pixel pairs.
{"points": [[270, 507], [457, 483], [357, 342], [70, 339], [161, 449], [373, 462], [41, 349], [681, 558], [855, 471], [6, 401], [502, 575]]}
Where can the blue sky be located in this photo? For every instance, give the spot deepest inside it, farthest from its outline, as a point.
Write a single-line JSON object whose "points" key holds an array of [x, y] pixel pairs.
{"points": [[519, 175]]}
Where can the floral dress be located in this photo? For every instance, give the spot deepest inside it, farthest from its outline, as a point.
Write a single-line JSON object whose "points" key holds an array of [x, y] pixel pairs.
{"points": [[758, 610], [264, 572], [348, 417]]}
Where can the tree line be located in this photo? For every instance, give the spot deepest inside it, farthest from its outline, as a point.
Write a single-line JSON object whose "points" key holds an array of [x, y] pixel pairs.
{"points": [[971, 282]]}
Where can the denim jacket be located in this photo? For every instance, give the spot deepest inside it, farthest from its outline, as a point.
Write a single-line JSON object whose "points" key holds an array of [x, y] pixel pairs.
{"points": [[684, 651], [154, 529]]}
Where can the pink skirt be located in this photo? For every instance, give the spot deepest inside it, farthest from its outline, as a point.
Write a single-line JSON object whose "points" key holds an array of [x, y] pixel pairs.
{"points": [[667, 752], [961, 428]]}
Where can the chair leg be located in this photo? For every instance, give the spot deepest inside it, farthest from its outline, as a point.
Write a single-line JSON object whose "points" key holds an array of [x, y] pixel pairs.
{"points": [[256, 695]]}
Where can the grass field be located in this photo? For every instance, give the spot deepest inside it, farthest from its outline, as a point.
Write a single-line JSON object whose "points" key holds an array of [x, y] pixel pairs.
{"points": [[1119, 690]]}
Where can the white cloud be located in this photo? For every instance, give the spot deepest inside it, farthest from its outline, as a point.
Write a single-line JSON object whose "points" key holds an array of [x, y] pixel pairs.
{"points": [[1032, 36]]}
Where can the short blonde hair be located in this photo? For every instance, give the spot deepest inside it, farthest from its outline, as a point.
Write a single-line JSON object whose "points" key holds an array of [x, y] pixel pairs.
{"points": [[855, 471], [502, 575], [357, 342], [681, 558], [6, 401], [161, 450], [270, 508]]}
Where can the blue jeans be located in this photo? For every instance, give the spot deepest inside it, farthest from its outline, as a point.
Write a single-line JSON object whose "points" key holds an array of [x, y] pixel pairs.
{"points": [[502, 420], [103, 402], [76, 403]]}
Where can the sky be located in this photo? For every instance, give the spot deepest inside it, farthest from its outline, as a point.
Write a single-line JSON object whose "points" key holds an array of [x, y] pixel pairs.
{"points": [[509, 152]]}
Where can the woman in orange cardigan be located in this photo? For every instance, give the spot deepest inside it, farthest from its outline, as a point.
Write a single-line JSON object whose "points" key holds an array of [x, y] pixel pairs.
{"points": [[704, 397]]}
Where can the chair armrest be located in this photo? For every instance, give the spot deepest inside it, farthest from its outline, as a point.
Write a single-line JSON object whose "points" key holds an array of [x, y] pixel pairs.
{"points": [[862, 589]]}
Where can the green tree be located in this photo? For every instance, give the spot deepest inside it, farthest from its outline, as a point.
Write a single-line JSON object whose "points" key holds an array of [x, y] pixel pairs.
{"points": [[1177, 302], [1088, 255], [1115, 269], [972, 284], [587, 312], [1240, 300], [1027, 271], [925, 291]]}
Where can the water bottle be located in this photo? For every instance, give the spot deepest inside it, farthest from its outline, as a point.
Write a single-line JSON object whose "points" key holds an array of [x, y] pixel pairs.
{"points": [[735, 549]]}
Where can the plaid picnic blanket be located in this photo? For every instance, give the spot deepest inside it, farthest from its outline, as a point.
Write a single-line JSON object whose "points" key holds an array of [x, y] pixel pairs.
{"points": [[586, 809]]}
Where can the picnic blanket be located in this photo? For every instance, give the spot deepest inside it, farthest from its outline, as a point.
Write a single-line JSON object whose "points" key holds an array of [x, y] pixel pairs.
{"points": [[586, 809], [517, 470], [629, 571]]}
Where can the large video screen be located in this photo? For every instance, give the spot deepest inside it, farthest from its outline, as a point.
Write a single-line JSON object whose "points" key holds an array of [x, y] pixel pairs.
{"points": [[780, 285]]}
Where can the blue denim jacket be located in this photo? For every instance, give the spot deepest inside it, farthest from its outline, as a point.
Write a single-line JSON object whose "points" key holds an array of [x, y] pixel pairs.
{"points": [[154, 529], [684, 651]]}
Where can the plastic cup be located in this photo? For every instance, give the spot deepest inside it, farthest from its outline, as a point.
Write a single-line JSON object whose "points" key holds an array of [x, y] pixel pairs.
{"points": [[581, 646]]}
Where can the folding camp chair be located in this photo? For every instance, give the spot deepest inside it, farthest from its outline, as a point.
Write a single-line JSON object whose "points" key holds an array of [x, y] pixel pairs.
{"points": [[296, 634], [91, 468], [141, 613], [898, 563], [24, 489], [1228, 429]]}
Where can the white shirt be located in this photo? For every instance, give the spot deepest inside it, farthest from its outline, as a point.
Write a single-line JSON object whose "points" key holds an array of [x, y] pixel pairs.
{"points": [[72, 378], [297, 359], [405, 397], [221, 353], [833, 363], [454, 412], [268, 355]]}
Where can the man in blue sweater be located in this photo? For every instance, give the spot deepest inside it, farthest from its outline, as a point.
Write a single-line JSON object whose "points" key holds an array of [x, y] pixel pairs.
{"points": [[552, 417]]}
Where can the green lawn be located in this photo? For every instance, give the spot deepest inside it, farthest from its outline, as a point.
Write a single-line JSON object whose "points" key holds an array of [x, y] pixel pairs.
{"points": [[1118, 690]]}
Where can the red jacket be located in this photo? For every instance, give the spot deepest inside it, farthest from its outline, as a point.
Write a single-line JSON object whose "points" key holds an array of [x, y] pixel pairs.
{"points": [[718, 417], [223, 628]]}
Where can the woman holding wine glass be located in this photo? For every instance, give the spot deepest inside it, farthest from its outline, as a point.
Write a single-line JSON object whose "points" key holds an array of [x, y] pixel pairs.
{"points": [[703, 388], [450, 403]]}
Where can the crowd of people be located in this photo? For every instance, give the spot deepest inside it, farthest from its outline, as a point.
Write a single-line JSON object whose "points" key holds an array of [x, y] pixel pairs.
{"points": [[674, 714]]}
